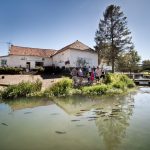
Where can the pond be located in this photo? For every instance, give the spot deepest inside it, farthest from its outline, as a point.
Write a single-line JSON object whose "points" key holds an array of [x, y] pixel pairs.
{"points": [[77, 123]]}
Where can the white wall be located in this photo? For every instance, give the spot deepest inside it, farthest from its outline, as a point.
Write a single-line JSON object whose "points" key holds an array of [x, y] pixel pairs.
{"points": [[20, 61], [3, 58], [73, 55], [60, 58], [91, 57]]}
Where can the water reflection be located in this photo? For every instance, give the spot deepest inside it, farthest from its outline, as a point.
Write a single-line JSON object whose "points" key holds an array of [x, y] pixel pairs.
{"points": [[28, 103], [111, 115], [113, 127], [98, 123]]}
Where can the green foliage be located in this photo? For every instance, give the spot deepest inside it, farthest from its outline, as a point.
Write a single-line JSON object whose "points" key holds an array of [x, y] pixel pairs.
{"points": [[38, 69], [114, 84], [60, 88], [146, 65], [128, 61], [21, 90], [119, 80], [112, 36], [95, 89], [10, 70]]}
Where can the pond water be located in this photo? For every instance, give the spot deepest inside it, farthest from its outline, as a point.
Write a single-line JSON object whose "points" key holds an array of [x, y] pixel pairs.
{"points": [[77, 123]]}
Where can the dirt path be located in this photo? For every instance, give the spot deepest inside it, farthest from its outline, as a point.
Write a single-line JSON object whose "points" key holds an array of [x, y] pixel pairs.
{"points": [[15, 79]]}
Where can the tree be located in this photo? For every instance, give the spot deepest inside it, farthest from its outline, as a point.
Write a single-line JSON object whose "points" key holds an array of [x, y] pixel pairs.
{"points": [[128, 61], [146, 65], [112, 36], [81, 62]]}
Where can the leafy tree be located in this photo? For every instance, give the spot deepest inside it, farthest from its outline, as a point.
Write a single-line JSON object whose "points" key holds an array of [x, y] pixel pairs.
{"points": [[146, 65], [112, 36], [128, 61]]}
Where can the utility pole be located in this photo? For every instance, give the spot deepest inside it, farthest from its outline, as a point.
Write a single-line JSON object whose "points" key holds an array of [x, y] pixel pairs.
{"points": [[8, 44]]}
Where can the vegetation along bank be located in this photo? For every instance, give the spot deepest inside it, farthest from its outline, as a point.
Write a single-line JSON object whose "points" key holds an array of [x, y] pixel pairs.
{"points": [[113, 84]]}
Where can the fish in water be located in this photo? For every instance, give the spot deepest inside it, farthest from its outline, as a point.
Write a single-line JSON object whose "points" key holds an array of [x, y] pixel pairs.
{"points": [[60, 132], [4, 124], [93, 117], [55, 114], [75, 120], [78, 115], [83, 110], [80, 125], [99, 108], [27, 112]]}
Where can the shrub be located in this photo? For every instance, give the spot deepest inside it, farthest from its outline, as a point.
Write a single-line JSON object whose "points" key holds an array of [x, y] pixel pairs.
{"points": [[10, 70], [21, 90], [95, 89], [60, 88], [119, 80], [119, 85], [38, 70]]}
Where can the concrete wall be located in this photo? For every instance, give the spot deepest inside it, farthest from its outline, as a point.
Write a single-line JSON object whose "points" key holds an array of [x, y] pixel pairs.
{"points": [[60, 58], [90, 57], [20, 61], [73, 56]]}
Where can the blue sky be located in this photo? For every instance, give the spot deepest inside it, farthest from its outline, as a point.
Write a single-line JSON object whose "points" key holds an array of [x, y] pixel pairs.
{"points": [[56, 23]]}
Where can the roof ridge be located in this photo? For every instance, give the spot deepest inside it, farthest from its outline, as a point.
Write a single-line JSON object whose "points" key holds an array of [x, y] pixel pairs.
{"points": [[72, 44], [68, 45], [32, 47]]}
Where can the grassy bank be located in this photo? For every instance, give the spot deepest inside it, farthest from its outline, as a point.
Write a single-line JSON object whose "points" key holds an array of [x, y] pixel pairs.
{"points": [[22, 89], [113, 84]]}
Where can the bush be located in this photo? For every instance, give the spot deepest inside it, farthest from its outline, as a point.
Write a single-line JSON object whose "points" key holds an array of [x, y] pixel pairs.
{"points": [[95, 89], [10, 70], [119, 80], [119, 85], [38, 70], [60, 88], [21, 90]]}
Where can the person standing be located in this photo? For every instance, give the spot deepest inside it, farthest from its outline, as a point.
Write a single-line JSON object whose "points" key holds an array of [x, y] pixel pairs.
{"points": [[74, 73], [102, 74], [80, 74], [98, 74], [92, 76], [89, 70]]}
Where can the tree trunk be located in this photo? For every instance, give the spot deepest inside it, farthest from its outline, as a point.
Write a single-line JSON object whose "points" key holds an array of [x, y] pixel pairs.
{"points": [[99, 59], [113, 58], [113, 64]]}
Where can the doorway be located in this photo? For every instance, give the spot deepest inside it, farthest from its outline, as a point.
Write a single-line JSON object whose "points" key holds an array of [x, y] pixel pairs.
{"points": [[28, 66]]}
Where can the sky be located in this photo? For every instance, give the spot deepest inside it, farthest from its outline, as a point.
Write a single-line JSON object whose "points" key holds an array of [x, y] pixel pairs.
{"points": [[54, 24]]}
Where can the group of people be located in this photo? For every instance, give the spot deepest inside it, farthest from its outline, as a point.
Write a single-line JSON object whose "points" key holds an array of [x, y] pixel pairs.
{"points": [[89, 73]]}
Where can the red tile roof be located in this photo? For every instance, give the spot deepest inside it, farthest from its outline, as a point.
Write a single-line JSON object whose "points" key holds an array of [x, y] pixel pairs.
{"points": [[77, 45], [26, 51]]}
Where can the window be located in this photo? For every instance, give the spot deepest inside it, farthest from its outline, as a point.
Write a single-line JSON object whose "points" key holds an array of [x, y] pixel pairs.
{"points": [[38, 64], [4, 62]]}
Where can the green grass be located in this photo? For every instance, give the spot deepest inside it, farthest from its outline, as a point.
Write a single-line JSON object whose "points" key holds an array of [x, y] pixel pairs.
{"points": [[95, 89], [120, 81], [60, 88], [113, 84], [21, 90]]}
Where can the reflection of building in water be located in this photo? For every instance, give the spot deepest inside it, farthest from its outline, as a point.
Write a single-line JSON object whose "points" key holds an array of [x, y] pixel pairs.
{"points": [[74, 104], [28, 103], [111, 115], [112, 128]]}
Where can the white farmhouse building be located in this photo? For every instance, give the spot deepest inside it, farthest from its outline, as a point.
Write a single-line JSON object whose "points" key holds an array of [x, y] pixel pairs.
{"points": [[76, 54]]}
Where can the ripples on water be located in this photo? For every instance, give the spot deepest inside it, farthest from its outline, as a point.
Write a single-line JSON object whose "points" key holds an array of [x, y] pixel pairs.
{"points": [[77, 123]]}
